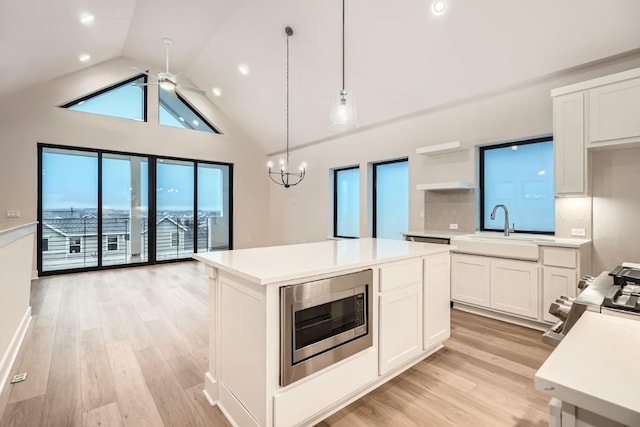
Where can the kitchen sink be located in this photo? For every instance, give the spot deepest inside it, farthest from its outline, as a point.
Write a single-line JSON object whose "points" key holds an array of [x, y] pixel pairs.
{"points": [[517, 246], [512, 236]]}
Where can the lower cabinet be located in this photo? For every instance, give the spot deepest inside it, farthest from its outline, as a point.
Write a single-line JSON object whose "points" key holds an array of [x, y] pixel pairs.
{"points": [[510, 286], [514, 287], [557, 281], [414, 309], [400, 327], [471, 279], [436, 300]]}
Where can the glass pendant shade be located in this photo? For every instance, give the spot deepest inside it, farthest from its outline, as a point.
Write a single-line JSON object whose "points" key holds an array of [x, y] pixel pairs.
{"points": [[343, 111]]}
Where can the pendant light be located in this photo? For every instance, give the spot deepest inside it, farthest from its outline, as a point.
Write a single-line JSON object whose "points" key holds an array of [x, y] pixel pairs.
{"points": [[343, 110], [283, 176]]}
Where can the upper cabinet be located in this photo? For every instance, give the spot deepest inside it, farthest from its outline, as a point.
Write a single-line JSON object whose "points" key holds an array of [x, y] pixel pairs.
{"points": [[614, 113], [570, 155], [602, 113]]}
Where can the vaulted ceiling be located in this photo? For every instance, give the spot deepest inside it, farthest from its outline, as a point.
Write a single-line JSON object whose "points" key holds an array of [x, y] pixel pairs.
{"points": [[400, 58]]}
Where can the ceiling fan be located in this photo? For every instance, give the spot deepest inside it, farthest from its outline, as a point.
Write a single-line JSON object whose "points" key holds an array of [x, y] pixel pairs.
{"points": [[168, 81]]}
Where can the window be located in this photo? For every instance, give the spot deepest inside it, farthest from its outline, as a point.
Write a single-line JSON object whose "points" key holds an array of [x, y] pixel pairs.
{"points": [[126, 100], [175, 111], [112, 243], [519, 176], [346, 202], [120, 208], [390, 199], [74, 245]]}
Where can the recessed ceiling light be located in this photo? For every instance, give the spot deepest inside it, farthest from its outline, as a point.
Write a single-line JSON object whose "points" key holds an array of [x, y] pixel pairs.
{"points": [[217, 91], [87, 18], [243, 69], [85, 57], [181, 118], [438, 7], [195, 122]]}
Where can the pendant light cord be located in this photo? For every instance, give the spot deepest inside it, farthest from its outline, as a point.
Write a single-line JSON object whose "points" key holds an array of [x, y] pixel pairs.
{"points": [[288, 35], [343, 14]]}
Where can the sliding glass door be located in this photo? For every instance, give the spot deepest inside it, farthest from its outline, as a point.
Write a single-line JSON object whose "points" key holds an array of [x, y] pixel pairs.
{"points": [[214, 209], [125, 209], [175, 226], [102, 209], [69, 209]]}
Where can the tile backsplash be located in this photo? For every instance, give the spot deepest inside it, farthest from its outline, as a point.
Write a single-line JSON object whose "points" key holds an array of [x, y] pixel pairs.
{"points": [[442, 208]]}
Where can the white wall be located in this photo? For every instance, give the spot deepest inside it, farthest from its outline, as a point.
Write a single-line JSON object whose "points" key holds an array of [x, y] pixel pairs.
{"points": [[32, 116], [303, 213], [616, 207]]}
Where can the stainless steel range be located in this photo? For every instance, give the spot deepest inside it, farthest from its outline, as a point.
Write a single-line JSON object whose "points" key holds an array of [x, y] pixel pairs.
{"points": [[614, 293]]}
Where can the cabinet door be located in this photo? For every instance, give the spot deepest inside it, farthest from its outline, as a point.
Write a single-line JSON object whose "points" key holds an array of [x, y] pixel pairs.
{"points": [[568, 144], [400, 327], [614, 112], [470, 279], [556, 282], [437, 321], [514, 287]]}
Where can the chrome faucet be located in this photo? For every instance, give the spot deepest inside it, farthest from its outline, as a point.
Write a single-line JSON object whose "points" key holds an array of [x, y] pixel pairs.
{"points": [[507, 230]]}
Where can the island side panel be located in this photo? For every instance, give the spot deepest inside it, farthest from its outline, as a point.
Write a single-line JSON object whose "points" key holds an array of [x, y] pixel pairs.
{"points": [[242, 343], [211, 377]]}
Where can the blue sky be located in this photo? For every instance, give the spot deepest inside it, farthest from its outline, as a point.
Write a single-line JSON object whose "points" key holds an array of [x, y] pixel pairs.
{"points": [[71, 180]]}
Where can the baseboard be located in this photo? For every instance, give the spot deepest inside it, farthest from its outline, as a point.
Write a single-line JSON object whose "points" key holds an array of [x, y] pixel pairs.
{"points": [[12, 352], [210, 389], [531, 324]]}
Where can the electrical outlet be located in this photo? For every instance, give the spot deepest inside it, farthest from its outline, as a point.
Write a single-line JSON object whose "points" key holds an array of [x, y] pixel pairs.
{"points": [[453, 226], [578, 232]]}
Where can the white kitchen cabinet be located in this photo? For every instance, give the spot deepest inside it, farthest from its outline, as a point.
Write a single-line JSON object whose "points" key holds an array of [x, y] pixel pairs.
{"points": [[614, 113], [400, 327], [596, 114], [514, 287], [561, 269], [436, 300], [557, 281], [570, 156], [471, 279]]}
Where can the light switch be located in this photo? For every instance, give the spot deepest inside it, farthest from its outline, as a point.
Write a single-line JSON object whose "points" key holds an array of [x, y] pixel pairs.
{"points": [[578, 232]]}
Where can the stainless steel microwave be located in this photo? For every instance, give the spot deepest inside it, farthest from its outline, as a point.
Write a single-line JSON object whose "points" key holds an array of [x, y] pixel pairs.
{"points": [[323, 322]]}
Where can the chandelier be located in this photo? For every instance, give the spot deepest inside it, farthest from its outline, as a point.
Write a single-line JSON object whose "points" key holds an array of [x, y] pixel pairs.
{"points": [[284, 176]]}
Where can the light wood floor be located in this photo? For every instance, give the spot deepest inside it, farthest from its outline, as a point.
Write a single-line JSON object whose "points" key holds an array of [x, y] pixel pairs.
{"points": [[129, 347]]}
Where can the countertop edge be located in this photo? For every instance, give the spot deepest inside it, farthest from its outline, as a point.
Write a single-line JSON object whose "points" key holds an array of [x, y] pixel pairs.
{"points": [[551, 377], [270, 280], [13, 233]]}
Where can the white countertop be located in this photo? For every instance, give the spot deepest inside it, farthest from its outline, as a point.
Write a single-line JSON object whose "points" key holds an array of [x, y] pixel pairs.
{"points": [[595, 367], [282, 263]]}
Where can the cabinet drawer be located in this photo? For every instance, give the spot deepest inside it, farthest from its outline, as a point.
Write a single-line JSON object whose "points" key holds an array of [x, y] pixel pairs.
{"points": [[402, 274], [560, 257]]}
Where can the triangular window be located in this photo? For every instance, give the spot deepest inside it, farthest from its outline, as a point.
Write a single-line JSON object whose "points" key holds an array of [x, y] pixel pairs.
{"points": [[175, 111], [126, 100]]}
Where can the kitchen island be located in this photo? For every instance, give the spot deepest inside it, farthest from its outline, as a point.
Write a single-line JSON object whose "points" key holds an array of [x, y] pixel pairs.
{"points": [[408, 320]]}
